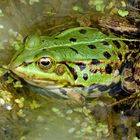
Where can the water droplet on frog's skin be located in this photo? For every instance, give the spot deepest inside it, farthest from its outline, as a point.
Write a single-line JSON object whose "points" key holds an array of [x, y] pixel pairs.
{"points": [[107, 55], [92, 46]]}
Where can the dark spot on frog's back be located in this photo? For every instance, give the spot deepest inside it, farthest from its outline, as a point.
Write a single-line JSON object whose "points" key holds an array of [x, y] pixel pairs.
{"points": [[127, 42], [43, 40], [74, 50], [85, 76], [82, 66], [105, 43], [131, 45], [107, 55], [120, 56], [72, 40], [82, 31], [95, 62], [128, 64], [44, 49], [108, 69], [92, 46], [117, 44], [134, 55]]}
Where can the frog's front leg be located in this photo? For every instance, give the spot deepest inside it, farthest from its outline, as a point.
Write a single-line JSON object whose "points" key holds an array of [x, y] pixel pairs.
{"points": [[131, 76], [75, 96]]}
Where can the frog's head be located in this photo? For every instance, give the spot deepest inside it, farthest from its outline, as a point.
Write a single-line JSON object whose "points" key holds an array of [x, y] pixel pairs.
{"points": [[42, 66]]}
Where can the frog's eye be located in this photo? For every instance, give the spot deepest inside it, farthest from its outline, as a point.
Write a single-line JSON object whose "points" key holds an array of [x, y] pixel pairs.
{"points": [[45, 63]]}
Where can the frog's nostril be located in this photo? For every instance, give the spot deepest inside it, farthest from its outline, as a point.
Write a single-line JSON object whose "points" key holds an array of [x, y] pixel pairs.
{"points": [[13, 66]]}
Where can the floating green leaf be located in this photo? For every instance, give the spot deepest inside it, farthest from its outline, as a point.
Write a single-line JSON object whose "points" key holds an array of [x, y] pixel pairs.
{"points": [[123, 13]]}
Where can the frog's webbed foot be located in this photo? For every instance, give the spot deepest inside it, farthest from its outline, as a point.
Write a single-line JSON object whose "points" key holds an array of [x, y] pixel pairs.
{"points": [[131, 76]]}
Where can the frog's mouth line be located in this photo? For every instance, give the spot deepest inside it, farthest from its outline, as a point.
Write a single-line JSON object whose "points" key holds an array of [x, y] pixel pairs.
{"points": [[39, 83], [45, 84]]}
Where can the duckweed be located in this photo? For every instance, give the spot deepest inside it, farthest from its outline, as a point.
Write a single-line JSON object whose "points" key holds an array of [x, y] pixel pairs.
{"points": [[99, 4], [77, 8], [18, 84], [6, 96], [31, 2], [123, 13], [58, 112], [20, 102], [21, 113], [34, 105]]}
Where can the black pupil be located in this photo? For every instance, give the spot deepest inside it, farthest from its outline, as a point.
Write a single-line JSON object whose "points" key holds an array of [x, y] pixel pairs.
{"points": [[45, 63]]}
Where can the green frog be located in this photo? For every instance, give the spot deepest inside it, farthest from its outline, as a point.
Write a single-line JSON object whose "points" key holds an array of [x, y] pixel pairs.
{"points": [[80, 60]]}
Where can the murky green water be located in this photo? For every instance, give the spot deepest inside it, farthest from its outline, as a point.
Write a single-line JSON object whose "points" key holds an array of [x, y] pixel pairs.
{"points": [[28, 115]]}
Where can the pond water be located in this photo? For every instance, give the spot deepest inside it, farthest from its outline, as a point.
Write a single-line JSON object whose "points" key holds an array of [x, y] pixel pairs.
{"points": [[27, 114]]}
